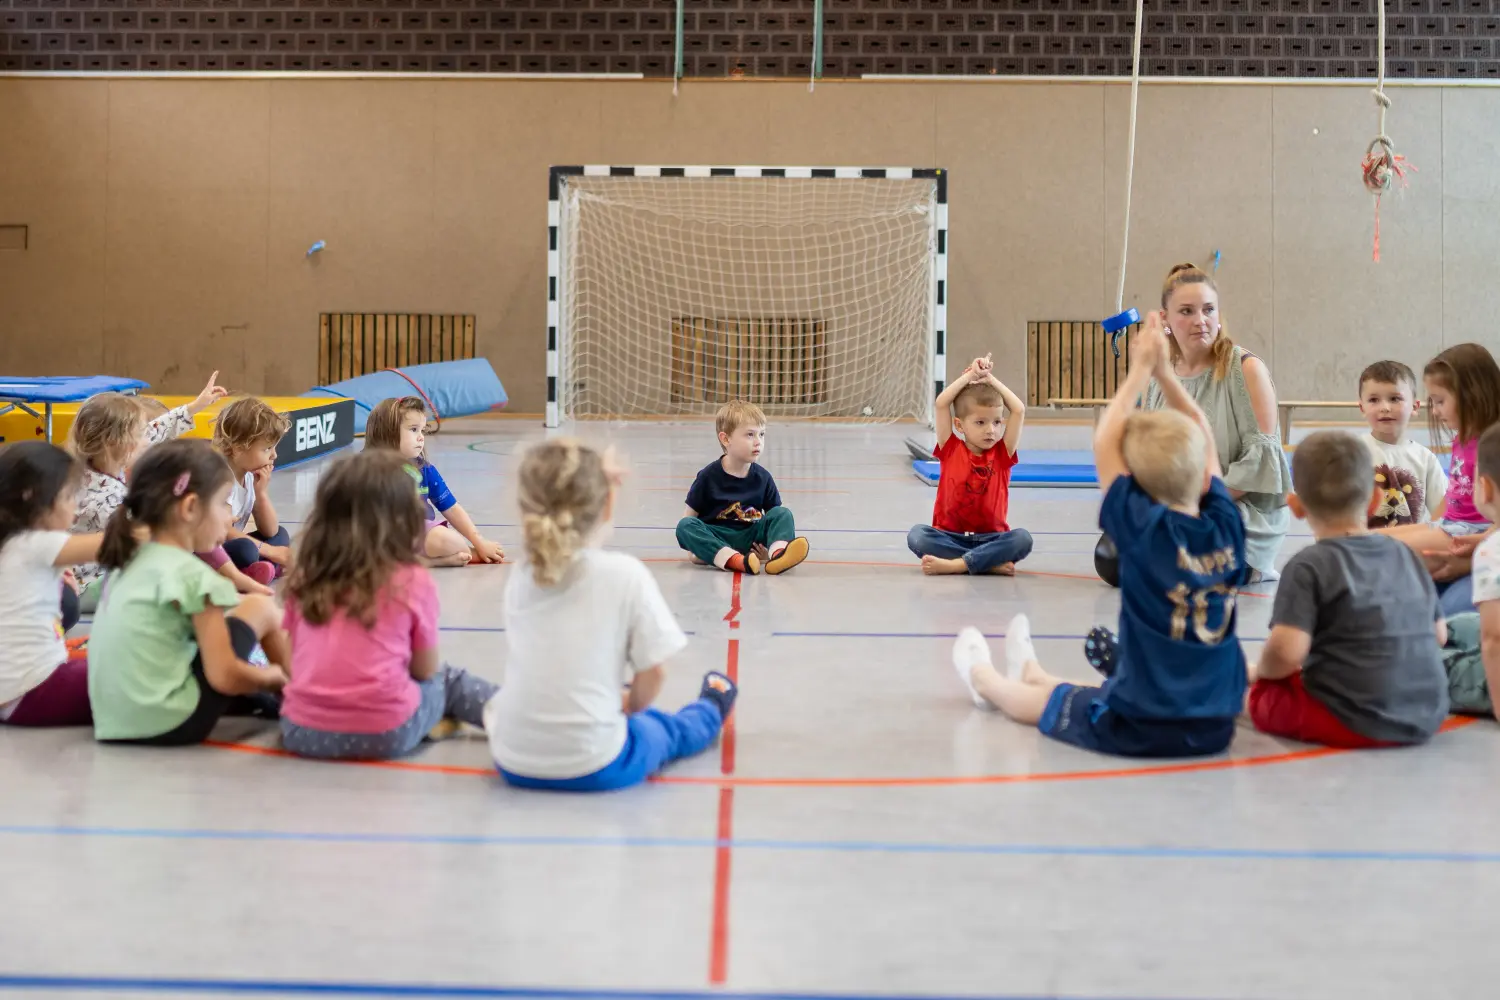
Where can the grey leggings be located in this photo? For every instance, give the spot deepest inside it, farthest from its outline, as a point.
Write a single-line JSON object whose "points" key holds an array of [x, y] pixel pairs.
{"points": [[449, 693]]}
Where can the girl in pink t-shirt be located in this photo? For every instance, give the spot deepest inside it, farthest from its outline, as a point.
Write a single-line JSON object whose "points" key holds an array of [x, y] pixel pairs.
{"points": [[362, 615]]}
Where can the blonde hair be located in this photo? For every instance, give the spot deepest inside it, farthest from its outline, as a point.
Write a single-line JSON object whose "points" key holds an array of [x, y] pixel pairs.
{"points": [[1334, 475], [563, 489], [107, 429], [383, 425], [247, 422], [151, 407], [1223, 349], [1164, 451], [737, 413], [974, 395]]}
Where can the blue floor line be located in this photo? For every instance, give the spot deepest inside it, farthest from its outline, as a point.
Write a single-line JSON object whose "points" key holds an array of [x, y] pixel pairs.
{"points": [[300, 987], [1145, 851]]}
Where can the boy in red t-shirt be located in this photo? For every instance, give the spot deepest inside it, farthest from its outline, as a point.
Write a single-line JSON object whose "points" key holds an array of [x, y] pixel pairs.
{"points": [[968, 532]]}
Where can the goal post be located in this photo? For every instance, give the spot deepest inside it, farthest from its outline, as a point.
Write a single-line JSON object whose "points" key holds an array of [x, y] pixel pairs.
{"points": [[814, 292]]}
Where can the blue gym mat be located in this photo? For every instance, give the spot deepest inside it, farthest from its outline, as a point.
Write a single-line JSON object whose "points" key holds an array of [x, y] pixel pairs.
{"points": [[1026, 474]]}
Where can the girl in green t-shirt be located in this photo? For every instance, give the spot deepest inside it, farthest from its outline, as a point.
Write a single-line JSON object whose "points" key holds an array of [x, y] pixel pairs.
{"points": [[171, 639]]}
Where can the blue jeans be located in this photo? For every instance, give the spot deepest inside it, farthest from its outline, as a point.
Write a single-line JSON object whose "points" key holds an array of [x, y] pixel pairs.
{"points": [[449, 693], [653, 739], [981, 552], [1456, 597]]}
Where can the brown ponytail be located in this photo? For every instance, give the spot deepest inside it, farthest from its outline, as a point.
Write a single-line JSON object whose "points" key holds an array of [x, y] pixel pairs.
{"points": [[1192, 274], [156, 486]]}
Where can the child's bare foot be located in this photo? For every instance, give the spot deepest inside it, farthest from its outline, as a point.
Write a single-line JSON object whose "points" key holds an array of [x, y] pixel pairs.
{"points": [[933, 566], [970, 651], [1004, 569], [456, 559]]}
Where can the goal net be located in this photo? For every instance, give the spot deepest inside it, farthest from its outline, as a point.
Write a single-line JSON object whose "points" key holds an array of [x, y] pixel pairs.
{"points": [[673, 291]]}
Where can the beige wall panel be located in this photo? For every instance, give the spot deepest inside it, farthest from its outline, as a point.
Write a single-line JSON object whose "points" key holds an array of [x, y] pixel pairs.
{"points": [[847, 124], [185, 274], [1026, 214], [1336, 309], [1471, 214], [1202, 183], [352, 163], [713, 123], [52, 166], [495, 144]]}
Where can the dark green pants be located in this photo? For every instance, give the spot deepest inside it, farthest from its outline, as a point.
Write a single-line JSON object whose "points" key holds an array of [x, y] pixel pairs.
{"points": [[704, 540]]}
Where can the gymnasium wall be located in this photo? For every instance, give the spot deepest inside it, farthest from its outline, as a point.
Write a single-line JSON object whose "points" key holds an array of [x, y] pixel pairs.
{"points": [[168, 220]]}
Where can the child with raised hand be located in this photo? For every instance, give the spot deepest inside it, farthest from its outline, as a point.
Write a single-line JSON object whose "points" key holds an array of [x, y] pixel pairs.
{"points": [[169, 647], [1175, 677], [246, 433], [976, 446], [108, 435], [362, 618], [583, 623], [400, 425], [1409, 479], [1352, 659], [41, 683], [735, 519]]}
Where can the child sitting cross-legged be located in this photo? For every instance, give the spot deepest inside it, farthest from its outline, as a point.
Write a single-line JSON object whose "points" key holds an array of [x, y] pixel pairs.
{"points": [[1175, 677], [976, 447], [735, 519], [1352, 660], [362, 619], [582, 624], [169, 649]]}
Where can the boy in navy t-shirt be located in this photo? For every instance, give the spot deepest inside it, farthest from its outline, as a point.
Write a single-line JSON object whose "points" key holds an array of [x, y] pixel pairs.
{"points": [[1175, 678], [734, 518]]}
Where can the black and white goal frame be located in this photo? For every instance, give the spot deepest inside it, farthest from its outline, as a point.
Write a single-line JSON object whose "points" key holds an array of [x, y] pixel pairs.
{"points": [[558, 176]]}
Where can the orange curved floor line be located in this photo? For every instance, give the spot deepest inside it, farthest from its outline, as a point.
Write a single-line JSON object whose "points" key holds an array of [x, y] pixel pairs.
{"points": [[1188, 767]]}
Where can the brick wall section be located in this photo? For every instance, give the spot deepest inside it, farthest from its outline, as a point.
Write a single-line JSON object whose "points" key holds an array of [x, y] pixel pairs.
{"points": [[1435, 39]]}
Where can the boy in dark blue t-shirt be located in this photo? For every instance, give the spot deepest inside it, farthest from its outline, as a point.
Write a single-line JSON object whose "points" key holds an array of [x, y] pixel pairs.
{"points": [[1175, 678], [734, 518]]}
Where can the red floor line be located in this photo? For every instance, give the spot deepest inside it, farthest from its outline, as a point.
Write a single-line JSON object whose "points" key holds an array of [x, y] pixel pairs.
{"points": [[718, 938]]}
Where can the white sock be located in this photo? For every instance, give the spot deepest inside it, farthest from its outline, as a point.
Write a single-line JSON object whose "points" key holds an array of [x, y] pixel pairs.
{"points": [[1018, 648], [970, 650], [722, 557], [777, 548]]}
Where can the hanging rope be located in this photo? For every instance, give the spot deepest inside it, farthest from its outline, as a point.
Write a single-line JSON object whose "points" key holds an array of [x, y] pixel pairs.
{"points": [[817, 59], [678, 59], [1382, 167], [1135, 93], [1118, 324]]}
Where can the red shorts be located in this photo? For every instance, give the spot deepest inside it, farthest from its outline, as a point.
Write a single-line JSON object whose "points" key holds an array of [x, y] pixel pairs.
{"points": [[1284, 708]]}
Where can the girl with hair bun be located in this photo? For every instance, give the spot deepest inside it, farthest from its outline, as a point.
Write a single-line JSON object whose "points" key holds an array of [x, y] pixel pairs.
{"points": [[1233, 388], [581, 625]]}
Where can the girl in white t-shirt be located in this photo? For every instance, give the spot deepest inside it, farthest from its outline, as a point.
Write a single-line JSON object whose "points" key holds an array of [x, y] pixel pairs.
{"points": [[582, 624], [40, 684]]}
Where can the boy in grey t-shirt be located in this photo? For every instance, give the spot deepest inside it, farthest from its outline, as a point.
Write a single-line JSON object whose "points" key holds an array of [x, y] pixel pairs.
{"points": [[1353, 659]]}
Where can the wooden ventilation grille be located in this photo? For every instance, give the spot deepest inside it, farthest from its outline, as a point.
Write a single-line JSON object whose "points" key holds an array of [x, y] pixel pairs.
{"points": [[351, 344], [771, 362], [1071, 361]]}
